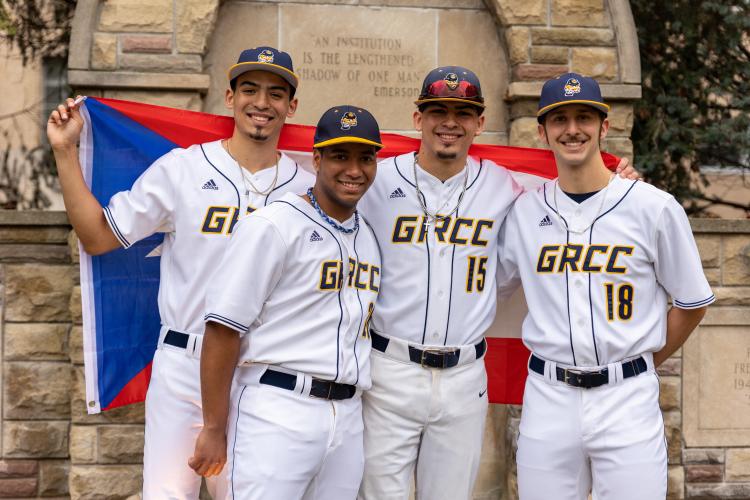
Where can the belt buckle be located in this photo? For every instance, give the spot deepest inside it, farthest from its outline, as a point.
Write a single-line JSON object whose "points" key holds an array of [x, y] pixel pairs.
{"points": [[572, 378], [433, 350]]}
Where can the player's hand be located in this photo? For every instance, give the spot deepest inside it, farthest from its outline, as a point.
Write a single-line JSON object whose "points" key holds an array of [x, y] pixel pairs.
{"points": [[65, 124], [210, 453], [626, 170]]}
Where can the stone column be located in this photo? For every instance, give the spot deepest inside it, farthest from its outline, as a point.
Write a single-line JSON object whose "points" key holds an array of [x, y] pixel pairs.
{"points": [[712, 458], [546, 38], [36, 278]]}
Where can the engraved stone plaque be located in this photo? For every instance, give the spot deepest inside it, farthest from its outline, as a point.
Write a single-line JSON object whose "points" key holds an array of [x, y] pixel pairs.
{"points": [[716, 387], [375, 57]]}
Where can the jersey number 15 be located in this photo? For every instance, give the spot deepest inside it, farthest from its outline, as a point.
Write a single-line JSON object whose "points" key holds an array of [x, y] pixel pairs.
{"points": [[476, 274]]}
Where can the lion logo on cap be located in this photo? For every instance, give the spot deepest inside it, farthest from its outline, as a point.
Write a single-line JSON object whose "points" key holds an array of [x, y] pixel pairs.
{"points": [[266, 56], [572, 87], [451, 80], [348, 121]]}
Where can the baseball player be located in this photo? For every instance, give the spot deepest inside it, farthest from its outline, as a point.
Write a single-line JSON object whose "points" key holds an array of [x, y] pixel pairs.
{"points": [[194, 196], [598, 256], [437, 215], [291, 305]]}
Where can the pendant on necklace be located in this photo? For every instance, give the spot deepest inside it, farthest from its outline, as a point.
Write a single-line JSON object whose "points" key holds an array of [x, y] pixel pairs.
{"points": [[427, 223]]}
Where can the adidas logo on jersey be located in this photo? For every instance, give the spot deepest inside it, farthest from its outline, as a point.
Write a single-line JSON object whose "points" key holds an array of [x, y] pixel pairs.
{"points": [[397, 193], [545, 221], [315, 236], [211, 185]]}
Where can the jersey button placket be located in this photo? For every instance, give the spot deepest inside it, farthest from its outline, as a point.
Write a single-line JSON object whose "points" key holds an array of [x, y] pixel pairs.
{"points": [[350, 304], [579, 303], [438, 315]]}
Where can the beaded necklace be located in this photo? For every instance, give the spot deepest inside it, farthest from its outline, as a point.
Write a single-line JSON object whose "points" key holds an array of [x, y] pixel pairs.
{"points": [[330, 221]]}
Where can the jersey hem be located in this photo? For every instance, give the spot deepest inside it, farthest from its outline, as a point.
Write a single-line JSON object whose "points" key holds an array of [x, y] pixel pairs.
{"points": [[216, 318], [115, 229], [694, 305]]}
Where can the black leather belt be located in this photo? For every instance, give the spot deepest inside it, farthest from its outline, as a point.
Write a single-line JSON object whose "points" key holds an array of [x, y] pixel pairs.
{"points": [[589, 380], [177, 339], [324, 389], [432, 358]]}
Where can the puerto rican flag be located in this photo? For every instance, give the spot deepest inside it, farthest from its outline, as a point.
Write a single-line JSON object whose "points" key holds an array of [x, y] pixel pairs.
{"points": [[119, 289]]}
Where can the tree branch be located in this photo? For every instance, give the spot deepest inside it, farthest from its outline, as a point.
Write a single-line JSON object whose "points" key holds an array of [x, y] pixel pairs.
{"points": [[718, 201]]}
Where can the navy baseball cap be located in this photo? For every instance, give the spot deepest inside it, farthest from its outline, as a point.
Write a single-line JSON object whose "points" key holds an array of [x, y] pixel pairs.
{"points": [[346, 123], [451, 83], [265, 59], [570, 88]]}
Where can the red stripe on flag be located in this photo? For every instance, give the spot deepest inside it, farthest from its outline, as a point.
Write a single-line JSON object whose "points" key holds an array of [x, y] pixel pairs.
{"points": [[134, 391], [506, 362], [185, 128]]}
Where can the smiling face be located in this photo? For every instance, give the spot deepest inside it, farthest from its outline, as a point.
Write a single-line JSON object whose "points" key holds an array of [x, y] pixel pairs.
{"points": [[573, 133], [448, 128], [345, 171], [261, 102]]}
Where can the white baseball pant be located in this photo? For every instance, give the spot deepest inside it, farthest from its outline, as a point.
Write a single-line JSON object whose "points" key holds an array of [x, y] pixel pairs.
{"points": [[610, 438], [428, 419], [288, 446], [173, 420]]}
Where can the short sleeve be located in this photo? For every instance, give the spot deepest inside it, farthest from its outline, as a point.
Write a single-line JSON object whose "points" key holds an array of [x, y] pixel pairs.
{"points": [[677, 262], [148, 207], [249, 271]]}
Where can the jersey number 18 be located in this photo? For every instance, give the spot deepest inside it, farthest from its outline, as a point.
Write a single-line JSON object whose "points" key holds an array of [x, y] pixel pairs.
{"points": [[619, 301]]}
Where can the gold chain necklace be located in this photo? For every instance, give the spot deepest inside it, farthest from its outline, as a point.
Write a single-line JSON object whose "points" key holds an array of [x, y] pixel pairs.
{"points": [[246, 180]]}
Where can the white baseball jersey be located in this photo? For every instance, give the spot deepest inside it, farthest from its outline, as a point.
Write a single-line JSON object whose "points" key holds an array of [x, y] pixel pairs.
{"points": [[440, 280], [300, 292], [195, 196], [598, 294]]}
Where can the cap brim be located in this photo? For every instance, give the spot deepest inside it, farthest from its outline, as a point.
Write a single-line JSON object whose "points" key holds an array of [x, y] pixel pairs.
{"points": [[594, 104], [449, 99], [345, 139], [244, 67]]}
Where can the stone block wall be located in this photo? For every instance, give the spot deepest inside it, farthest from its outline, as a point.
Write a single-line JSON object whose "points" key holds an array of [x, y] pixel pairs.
{"points": [[36, 282], [698, 469]]}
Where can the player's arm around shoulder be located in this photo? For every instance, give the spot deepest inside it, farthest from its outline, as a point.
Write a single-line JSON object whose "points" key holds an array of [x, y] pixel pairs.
{"points": [[627, 171], [84, 211], [679, 270]]}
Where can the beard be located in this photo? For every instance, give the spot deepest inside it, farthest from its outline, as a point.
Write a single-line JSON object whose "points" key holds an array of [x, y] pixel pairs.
{"points": [[446, 156], [257, 135]]}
